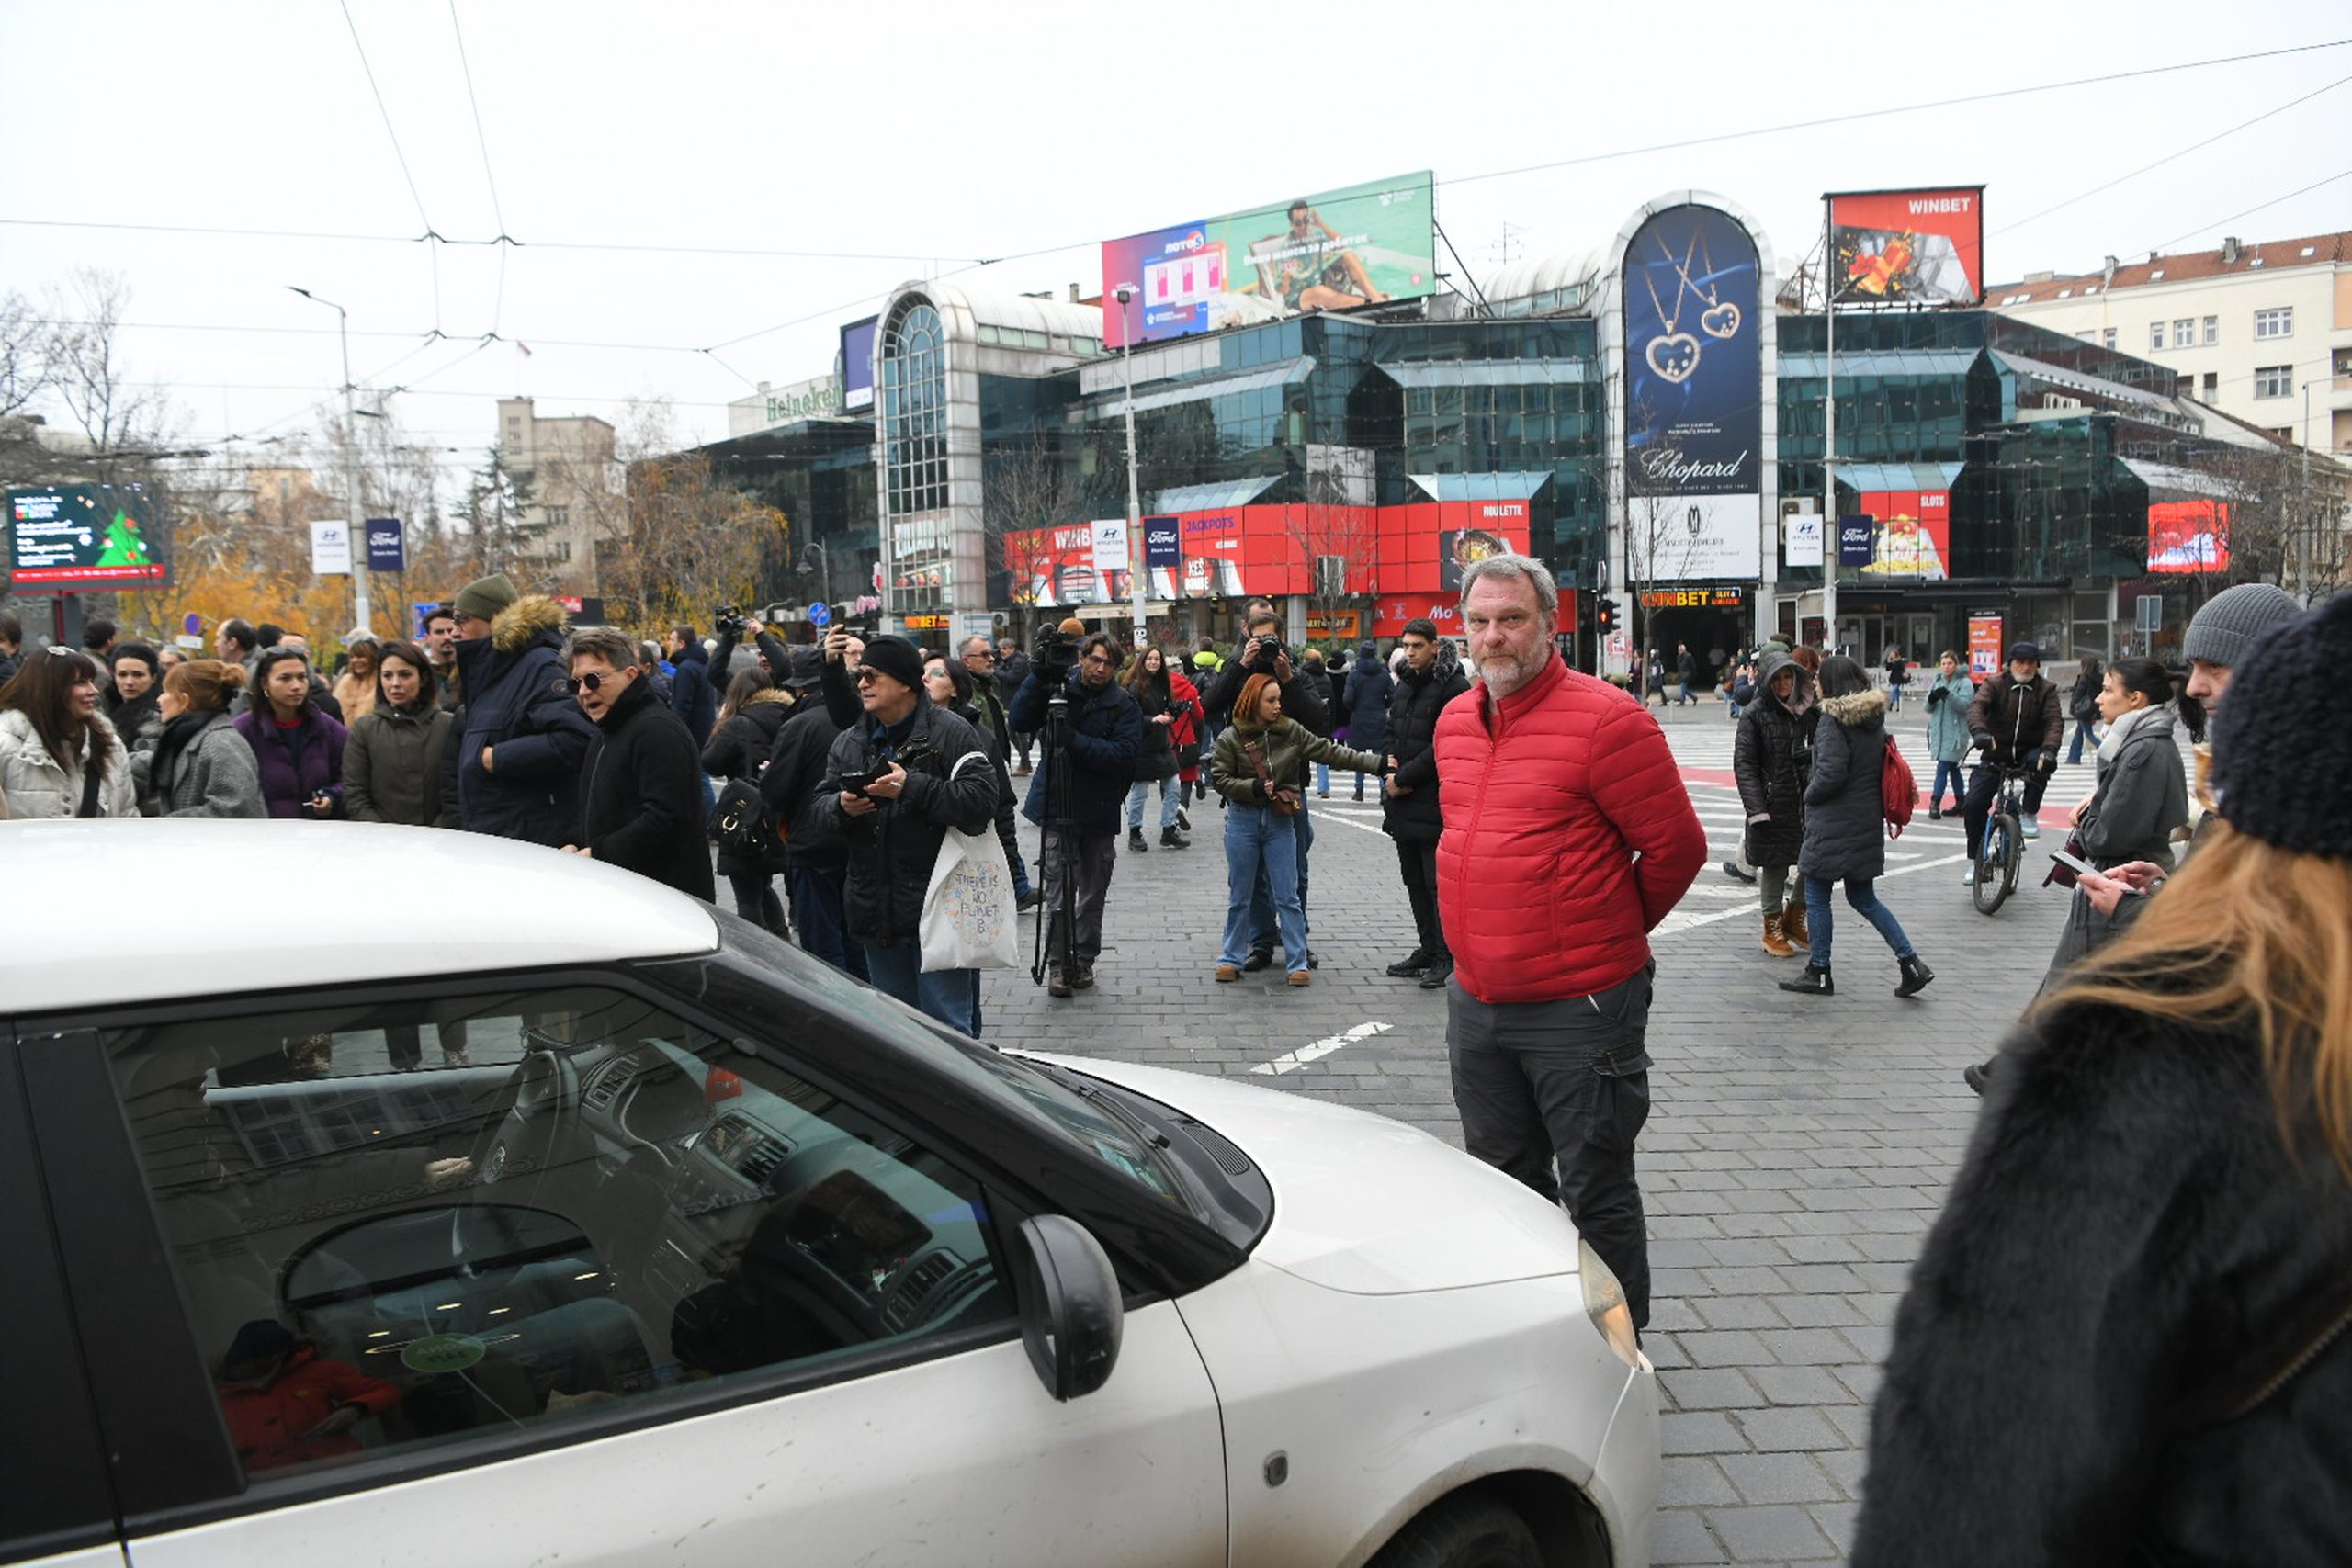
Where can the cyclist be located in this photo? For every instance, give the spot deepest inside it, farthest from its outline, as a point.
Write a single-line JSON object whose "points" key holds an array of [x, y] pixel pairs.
{"points": [[2018, 721]]}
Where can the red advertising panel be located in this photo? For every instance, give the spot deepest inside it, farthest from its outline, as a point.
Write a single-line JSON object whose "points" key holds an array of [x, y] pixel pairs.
{"points": [[1923, 247], [2188, 536], [1983, 647], [1914, 537]]}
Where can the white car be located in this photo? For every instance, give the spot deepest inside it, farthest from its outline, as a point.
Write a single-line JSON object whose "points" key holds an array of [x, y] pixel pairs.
{"points": [[378, 1194]]}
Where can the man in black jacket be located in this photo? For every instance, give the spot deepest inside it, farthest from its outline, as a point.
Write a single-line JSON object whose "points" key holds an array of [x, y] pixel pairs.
{"points": [[519, 750], [640, 784], [892, 794], [2017, 721], [691, 697], [1306, 697], [816, 862], [1012, 670], [1429, 679], [979, 662], [1105, 733]]}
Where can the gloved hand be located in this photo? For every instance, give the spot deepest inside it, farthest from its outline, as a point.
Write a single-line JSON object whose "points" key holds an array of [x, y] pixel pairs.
{"points": [[1981, 742], [2045, 762], [1937, 696]]}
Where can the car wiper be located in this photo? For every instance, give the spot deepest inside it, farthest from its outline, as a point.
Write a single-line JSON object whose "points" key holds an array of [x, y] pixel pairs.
{"points": [[1088, 1090]]}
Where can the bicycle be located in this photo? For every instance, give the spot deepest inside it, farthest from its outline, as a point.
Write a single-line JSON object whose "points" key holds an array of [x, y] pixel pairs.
{"points": [[2003, 849]]}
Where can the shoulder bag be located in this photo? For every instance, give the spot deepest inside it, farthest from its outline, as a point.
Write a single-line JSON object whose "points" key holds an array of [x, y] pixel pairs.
{"points": [[1285, 803], [969, 908]]}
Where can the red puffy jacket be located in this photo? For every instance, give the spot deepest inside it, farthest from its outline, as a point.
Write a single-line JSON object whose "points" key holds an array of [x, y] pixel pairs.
{"points": [[1546, 809]]}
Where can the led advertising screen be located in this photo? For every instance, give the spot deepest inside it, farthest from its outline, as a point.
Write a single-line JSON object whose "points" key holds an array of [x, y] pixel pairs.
{"points": [[81, 538], [858, 366], [2188, 536], [1921, 247], [1360, 245], [1694, 405], [1914, 537]]}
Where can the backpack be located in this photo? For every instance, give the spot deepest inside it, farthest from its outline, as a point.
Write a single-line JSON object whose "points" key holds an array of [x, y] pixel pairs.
{"points": [[742, 823], [1898, 791]]}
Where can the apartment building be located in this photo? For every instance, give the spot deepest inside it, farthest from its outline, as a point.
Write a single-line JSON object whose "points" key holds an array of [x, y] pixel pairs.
{"points": [[573, 487]]}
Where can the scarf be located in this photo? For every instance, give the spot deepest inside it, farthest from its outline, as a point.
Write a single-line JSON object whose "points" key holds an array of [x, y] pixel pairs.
{"points": [[163, 768], [2120, 731]]}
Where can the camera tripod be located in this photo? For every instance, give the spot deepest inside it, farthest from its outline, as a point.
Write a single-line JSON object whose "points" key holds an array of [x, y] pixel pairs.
{"points": [[1057, 849]]}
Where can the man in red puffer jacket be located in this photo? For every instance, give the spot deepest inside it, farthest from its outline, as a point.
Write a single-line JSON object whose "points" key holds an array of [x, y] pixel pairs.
{"points": [[1568, 834]]}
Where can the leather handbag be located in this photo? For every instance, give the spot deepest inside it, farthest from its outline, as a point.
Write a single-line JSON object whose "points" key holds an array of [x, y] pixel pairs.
{"points": [[1285, 803]]}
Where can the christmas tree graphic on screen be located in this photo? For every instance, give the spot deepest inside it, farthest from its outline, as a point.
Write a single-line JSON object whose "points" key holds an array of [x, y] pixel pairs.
{"points": [[123, 545]]}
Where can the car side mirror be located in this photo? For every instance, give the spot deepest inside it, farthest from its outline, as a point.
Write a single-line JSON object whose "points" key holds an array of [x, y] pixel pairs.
{"points": [[1072, 1316]]}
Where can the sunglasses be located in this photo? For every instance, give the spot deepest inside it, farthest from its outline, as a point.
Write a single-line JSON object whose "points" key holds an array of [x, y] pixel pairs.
{"points": [[591, 682]]}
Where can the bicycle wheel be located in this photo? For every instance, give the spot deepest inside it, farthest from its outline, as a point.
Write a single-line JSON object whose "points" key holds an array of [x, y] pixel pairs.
{"points": [[1992, 884], [2013, 856]]}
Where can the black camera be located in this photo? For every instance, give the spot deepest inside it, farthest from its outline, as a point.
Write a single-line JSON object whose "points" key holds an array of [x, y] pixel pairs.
{"points": [[732, 622], [1056, 649]]}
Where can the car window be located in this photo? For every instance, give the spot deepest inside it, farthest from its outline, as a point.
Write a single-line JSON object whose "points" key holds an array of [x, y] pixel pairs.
{"points": [[397, 1224]]}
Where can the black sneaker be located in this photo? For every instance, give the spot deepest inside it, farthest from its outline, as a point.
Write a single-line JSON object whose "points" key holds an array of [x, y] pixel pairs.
{"points": [[1135, 840], [1412, 965], [1439, 973], [1313, 962], [1182, 821], [1731, 869], [1259, 958]]}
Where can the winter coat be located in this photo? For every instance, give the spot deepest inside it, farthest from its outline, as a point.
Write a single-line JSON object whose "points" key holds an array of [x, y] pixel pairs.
{"points": [[1287, 746], [391, 764], [290, 775], [640, 795], [517, 705], [1411, 737], [1569, 835], [1948, 717], [2129, 1233], [2143, 796], [1105, 734], [1845, 801], [2019, 717], [692, 697], [796, 765], [2082, 697], [36, 788], [1369, 688], [740, 749], [1184, 735], [211, 772], [355, 697], [136, 719], [1306, 695], [1771, 757], [1007, 804], [268, 1424], [1012, 670], [1156, 744], [893, 848]]}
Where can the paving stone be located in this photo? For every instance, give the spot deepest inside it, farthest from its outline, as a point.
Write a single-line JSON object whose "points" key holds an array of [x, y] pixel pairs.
{"points": [[1690, 1482], [1699, 1432], [1702, 1388], [1779, 1478], [1781, 1428], [1680, 1534], [1783, 1533]]}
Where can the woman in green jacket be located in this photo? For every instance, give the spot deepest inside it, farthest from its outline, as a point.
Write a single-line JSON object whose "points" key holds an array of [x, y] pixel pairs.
{"points": [[1261, 769]]}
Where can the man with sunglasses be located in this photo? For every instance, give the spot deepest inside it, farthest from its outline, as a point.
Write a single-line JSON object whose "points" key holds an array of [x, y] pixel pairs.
{"points": [[1105, 732], [640, 784]]}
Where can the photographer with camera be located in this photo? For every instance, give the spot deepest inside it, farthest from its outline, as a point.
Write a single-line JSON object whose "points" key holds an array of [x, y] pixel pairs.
{"points": [[1306, 702], [1079, 787], [815, 862], [892, 794]]}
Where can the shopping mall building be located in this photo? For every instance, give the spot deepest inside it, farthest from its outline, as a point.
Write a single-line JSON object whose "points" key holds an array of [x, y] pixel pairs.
{"points": [[1648, 417]]}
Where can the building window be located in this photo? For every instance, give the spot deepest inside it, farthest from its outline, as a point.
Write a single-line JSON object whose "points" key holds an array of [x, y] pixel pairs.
{"points": [[2184, 333], [2274, 381], [2155, 334], [2279, 322], [914, 412], [2212, 330], [558, 516], [2107, 338], [2213, 382]]}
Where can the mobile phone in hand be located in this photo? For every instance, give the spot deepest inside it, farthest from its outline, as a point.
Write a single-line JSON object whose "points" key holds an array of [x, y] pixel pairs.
{"points": [[2080, 867]]}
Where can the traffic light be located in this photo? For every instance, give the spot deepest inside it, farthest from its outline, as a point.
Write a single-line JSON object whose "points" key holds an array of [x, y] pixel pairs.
{"points": [[1605, 615]]}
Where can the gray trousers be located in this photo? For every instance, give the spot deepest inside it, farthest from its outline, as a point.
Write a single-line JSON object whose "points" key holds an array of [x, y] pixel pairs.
{"points": [[1097, 854], [1555, 1093]]}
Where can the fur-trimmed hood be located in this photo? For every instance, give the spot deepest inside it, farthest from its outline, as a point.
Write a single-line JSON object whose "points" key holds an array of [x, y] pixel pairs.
{"points": [[1855, 707], [1801, 695], [525, 621]]}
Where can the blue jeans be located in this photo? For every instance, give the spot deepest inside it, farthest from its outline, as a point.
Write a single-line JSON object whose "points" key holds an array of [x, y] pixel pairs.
{"points": [[2082, 734], [1261, 845], [816, 895], [951, 996], [1322, 778], [1141, 790], [1946, 770], [1861, 895], [1263, 927]]}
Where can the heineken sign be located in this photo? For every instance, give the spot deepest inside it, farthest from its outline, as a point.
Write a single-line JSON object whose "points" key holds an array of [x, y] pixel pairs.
{"points": [[820, 399]]}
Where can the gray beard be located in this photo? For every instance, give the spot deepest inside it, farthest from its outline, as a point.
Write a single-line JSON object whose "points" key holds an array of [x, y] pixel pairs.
{"points": [[1504, 677]]}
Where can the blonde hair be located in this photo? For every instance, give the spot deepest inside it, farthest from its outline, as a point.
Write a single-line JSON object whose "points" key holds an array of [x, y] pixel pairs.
{"points": [[2246, 934], [206, 682]]}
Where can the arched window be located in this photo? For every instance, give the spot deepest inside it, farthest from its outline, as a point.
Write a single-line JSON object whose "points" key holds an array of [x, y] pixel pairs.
{"points": [[914, 410]]}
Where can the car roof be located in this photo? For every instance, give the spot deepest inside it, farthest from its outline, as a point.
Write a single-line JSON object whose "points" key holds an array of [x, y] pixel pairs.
{"points": [[191, 904]]}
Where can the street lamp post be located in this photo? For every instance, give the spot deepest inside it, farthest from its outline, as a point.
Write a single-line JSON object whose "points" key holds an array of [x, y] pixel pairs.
{"points": [[358, 522], [1138, 573]]}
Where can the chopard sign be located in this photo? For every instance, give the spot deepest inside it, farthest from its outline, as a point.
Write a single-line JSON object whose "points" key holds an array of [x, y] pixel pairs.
{"points": [[1672, 467]]}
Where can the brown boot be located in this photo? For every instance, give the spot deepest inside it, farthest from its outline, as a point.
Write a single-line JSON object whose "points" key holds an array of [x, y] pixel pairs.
{"points": [[1775, 942], [1792, 926]]}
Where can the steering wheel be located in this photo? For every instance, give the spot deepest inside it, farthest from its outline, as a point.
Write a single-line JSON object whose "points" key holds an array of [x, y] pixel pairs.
{"points": [[541, 1102]]}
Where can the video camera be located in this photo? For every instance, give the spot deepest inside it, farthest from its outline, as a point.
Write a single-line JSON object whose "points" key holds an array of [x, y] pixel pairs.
{"points": [[1056, 649], [731, 622]]}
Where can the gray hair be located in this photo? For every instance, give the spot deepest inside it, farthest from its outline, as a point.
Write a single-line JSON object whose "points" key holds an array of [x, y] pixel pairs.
{"points": [[1547, 592], [600, 642]]}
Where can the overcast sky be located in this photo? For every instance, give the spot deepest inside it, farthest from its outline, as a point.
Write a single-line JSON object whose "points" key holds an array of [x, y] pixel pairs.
{"points": [[927, 136]]}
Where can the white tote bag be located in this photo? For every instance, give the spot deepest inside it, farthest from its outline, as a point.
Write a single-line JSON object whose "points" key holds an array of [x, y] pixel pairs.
{"points": [[968, 911]]}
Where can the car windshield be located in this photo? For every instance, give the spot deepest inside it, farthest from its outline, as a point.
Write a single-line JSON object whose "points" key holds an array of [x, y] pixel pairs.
{"points": [[1067, 1109]]}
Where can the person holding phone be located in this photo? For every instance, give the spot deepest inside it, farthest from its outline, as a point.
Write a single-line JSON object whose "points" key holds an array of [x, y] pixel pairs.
{"points": [[2140, 798], [297, 749]]}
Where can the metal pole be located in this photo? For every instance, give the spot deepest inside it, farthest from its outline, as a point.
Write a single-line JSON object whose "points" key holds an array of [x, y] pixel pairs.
{"points": [[2303, 532], [1833, 533], [356, 525], [1138, 576]]}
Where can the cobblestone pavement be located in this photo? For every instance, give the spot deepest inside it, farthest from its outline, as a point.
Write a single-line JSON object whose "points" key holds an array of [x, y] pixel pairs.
{"points": [[1796, 1151]]}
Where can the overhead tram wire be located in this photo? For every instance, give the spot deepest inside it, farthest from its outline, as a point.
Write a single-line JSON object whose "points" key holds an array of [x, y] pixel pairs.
{"points": [[2259, 207], [2170, 157], [497, 213], [755, 251], [401, 156]]}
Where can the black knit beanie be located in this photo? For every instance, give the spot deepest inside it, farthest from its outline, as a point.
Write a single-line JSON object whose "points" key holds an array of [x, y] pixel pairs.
{"points": [[894, 657], [2282, 755]]}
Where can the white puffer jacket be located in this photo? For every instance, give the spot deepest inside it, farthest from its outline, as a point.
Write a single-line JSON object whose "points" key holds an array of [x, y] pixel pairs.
{"points": [[36, 787]]}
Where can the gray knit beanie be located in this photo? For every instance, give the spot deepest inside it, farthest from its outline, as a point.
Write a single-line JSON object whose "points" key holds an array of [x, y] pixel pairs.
{"points": [[2278, 773], [2223, 631]]}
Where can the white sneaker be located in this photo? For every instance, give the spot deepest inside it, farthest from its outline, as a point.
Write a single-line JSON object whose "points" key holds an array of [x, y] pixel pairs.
{"points": [[1968, 877], [2030, 828]]}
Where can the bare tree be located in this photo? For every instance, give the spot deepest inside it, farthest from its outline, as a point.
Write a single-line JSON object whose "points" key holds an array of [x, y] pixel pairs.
{"points": [[86, 372], [1660, 546], [689, 542], [1337, 524], [24, 355], [1027, 493]]}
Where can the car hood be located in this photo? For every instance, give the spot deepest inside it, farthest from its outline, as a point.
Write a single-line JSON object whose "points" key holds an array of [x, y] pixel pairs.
{"points": [[1364, 1203]]}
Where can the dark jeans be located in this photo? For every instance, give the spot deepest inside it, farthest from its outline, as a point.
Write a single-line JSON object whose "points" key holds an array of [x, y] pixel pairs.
{"points": [[1097, 854], [1023, 739], [2082, 734], [755, 899], [951, 996], [816, 892], [1862, 892], [402, 1043], [1416, 861], [1985, 784], [1263, 933], [1946, 773], [1553, 1094]]}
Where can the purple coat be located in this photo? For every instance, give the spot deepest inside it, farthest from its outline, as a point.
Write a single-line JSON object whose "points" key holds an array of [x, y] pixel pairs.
{"points": [[290, 778]]}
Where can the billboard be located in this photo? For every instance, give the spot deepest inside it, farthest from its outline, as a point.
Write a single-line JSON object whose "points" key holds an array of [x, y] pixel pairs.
{"points": [[858, 366], [1984, 646], [81, 538], [2188, 536], [1359, 245], [1694, 408], [1914, 537], [1920, 247]]}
